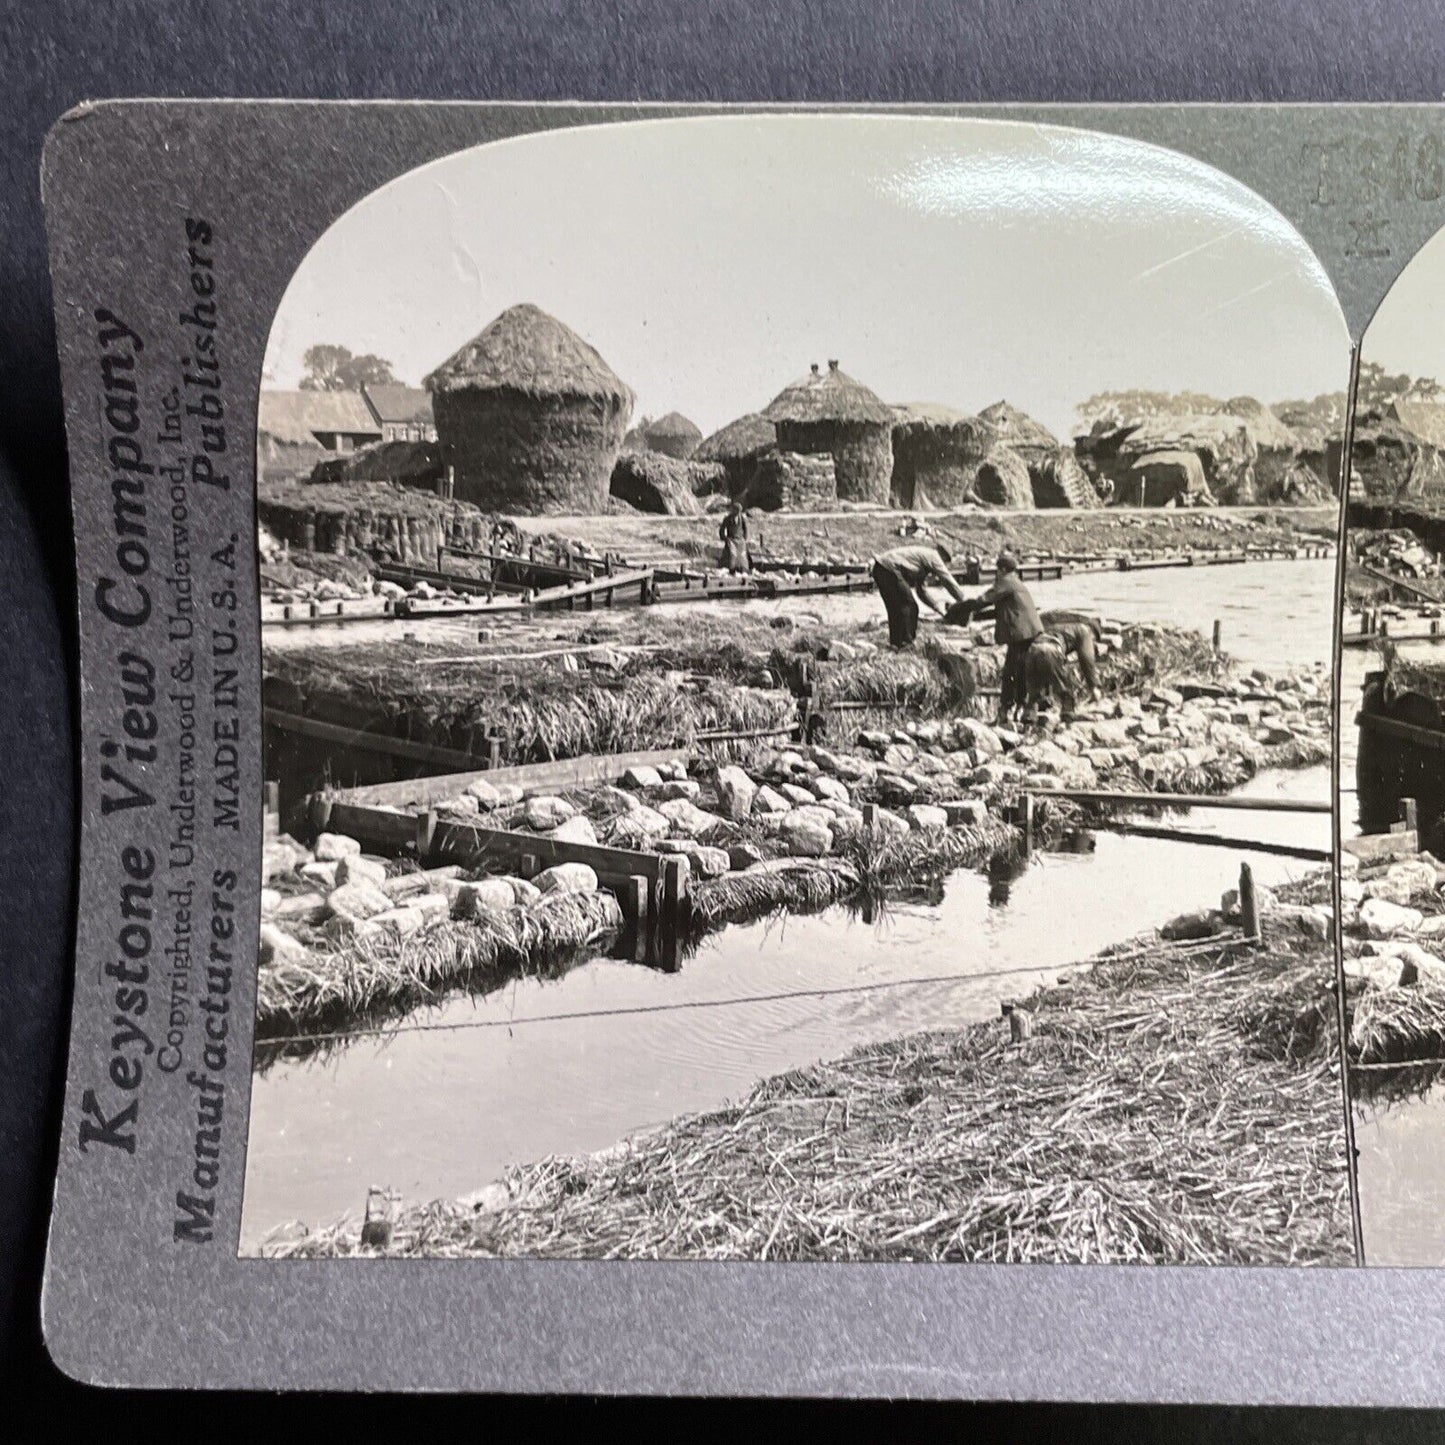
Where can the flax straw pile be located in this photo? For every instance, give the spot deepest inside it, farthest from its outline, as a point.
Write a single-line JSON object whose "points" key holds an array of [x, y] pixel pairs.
{"points": [[339, 986], [1174, 1107]]}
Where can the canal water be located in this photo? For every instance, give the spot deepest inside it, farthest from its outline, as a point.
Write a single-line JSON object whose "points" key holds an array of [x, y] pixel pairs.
{"points": [[441, 1105], [1401, 1146]]}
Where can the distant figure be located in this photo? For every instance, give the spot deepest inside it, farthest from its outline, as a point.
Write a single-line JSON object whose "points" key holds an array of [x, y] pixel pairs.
{"points": [[1020, 1021], [1046, 670], [733, 533], [1016, 625], [902, 576]]}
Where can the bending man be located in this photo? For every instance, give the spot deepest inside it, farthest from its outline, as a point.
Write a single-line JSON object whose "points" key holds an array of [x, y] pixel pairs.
{"points": [[902, 576], [1046, 671]]}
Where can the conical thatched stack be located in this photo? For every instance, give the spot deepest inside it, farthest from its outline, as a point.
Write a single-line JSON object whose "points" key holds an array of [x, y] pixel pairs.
{"points": [[1002, 480], [531, 416], [936, 453], [827, 411], [673, 435], [738, 447]]}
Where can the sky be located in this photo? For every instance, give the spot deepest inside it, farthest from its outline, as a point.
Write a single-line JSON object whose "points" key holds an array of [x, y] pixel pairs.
{"points": [[1407, 333], [711, 260]]}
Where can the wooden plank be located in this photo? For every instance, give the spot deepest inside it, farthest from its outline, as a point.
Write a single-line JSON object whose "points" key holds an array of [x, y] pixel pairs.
{"points": [[385, 743], [420, 607], [374, 828], [586, 771], [468, 843], [574, 592], [1190, 800]]}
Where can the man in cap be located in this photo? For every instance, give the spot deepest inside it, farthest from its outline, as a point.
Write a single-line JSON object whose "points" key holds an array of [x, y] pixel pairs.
{"points": [[1016, 624], [902, 576], [1046, 671]]}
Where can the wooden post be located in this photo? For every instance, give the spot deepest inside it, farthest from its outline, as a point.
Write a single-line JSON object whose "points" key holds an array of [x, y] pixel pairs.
{"points": [[320, 811], [1218, 633], [494, 749], [1028, 825], [1248, 905], [271, 797], [870, 819], [1409, 814], [426, 827], [672, 921], [635, 898]]}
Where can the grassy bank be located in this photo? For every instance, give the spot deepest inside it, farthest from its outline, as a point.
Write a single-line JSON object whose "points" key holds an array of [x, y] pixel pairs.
{"points": [[1173, 1105]]}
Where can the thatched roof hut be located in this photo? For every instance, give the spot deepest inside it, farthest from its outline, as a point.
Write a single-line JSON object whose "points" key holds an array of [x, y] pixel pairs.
{"points": [[1002, 480], [936, 454], [737, 447], [1223, 443], [828, 411], [654, 482], [792, 482], [673, 435], [531, 415], [1394, 464], [1017, 430], [1165, 478]]}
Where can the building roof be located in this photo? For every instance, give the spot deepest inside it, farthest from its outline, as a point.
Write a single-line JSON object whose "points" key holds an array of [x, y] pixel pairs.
{"points": [[1426, 419], [932, 416], [1015, 428], [297, 416], [526, 350], [395, 403], [824, 396], [673, 426], [739, 440]]}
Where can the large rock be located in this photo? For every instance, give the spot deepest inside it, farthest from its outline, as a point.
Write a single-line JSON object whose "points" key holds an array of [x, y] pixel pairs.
{"points": [[736, 793], [277, 946], [771, 801], [640, 828], [403, 921], [333, 847], [806, 838], [525, 892], [965, 812], [1380, 918], [485, 893], [831, 790], [486, 796], [356, 869], [641, 777], [705, 862], [796, 794], [321, 874], [983, 739], [924, 816], [567, 878], [431, 905], [544, 813], [688, 820], [1202, 923], [678, 788], [358, 901], [576, 829], [743, 855]]}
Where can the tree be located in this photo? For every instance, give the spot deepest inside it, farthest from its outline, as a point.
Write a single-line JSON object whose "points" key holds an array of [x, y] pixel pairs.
{"points": [[334, 368]]}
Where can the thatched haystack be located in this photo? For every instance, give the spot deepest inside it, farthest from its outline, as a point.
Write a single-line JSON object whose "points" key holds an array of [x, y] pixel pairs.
{"points": [[828, 411], [1164, 479], [407, 464], [652, 482], [1059, 481], [936, 454], [1223, 444], [737, 447], [792, 482], [1056, 479], [1002, 480], [673, 435], [1394, 464], [371, 519], [531, 416]]}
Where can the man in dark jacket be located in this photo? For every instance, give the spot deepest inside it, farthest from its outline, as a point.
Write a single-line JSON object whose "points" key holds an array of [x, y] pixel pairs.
{"points": [[1016, 624], [1046, 671], [903, 574]]}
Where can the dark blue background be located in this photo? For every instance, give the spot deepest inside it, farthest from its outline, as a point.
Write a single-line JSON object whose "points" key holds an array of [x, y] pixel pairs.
{"points": [[54, 55]]}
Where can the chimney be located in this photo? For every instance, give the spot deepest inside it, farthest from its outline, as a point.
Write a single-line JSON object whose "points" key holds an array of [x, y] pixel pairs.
{"points": [[832, 366], [815, 368]]}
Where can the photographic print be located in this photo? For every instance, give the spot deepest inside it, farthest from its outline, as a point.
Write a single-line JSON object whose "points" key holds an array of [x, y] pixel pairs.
{"points": [[1392, 801], [796, 707]]}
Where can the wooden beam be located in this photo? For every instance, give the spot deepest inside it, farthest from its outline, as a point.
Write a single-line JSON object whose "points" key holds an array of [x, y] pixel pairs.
{"points": [[586, 771], [1191, 800], [385, 743]]}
